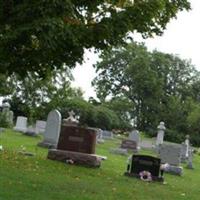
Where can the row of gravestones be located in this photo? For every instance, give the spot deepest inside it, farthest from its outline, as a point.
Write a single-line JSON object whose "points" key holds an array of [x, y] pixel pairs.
{"points": [[66, 140], [21, 126]]}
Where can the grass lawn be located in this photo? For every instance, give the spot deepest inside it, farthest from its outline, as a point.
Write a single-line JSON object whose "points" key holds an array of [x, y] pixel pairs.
{"points": [[37, 178]]}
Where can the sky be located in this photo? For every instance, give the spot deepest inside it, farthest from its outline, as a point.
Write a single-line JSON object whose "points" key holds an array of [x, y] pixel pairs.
{"points": [[181, 37]]}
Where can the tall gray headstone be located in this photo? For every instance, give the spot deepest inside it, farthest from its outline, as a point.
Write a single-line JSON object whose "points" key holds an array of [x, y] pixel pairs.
{"points": [[21, 124], [170, 153], [161, 132], [52, 130], [135, 136]]}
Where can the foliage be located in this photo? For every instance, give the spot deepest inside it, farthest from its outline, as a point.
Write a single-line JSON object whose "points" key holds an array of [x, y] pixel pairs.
{"points": [[158, 86], [43, 35], [3, 121]]}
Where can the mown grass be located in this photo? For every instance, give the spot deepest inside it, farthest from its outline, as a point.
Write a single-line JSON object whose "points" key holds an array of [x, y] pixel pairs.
{"points": [[37, 178]]}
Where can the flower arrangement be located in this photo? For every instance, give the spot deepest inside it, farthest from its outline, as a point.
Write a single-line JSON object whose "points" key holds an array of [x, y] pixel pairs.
{"points": [[145, 176]]}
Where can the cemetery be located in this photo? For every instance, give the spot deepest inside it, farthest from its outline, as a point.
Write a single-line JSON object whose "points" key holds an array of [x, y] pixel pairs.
{"points": [[29, 165], [99, 100]]}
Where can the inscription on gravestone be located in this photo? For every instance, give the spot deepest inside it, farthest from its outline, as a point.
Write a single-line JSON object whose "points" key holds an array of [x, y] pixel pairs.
{"points": [[77, 139]]}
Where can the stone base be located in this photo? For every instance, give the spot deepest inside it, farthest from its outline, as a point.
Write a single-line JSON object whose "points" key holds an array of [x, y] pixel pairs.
{"points": [[119, 151], [76, 157], [175, 170], [154, 178], [46, 145]]}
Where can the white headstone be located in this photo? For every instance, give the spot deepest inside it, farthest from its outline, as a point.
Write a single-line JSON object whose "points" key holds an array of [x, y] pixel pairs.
{"points": [[52, 130], [187, 143], [160, 135], [135, 136], [40, 126], [107, 134], [21, 124]]}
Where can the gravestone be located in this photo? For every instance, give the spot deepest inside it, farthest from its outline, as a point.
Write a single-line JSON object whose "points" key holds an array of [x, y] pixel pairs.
{"points": [[40, 126], [161, 132], [52, 130], [171, 154], [135, 136], [30, 131], [144, 163], [99, 137], [76, 145], [107, 134], [78, 139], [129, 144], [190, 158], [183, 152], [21, 124], [119, 151]]}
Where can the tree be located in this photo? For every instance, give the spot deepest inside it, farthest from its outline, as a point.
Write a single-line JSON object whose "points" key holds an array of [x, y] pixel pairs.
{"points": [[43, 35], [33, 93], [150, 80]]}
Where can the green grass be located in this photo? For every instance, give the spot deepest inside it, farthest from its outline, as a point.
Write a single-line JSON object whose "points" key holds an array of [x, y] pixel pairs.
{"points": [[37, 178]]}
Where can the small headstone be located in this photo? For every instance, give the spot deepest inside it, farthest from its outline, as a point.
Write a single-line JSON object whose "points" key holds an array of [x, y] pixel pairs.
{"points": [[160, 135], [135, 136], [107, 134], [31, 131], [142, 163], [119, 151], [40, 126], [99, 137], [21, 124], [129, 144], [52, 129]]}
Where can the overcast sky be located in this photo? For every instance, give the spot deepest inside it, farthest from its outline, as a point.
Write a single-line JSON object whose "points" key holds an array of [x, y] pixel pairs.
{"points": [[182, 37]]}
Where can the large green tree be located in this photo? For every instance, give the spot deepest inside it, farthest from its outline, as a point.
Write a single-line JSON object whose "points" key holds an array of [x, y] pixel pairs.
{"points": [[148, 79], [44, 34]]}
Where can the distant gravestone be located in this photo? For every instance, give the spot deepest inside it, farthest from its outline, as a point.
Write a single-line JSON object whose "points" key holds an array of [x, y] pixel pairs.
{"points": [[129, 144], [52, 129], [161, 132], [107, 134], [99, 137], [144, 163], [40, 126], [21, 124], [183, 152], [135, 136]]}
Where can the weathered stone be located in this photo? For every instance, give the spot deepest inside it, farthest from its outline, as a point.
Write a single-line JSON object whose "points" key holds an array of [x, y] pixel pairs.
{"points": [[21, 124], [119, 151], [175, 170], [52, 130], [129, 144], [75, 157]]}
